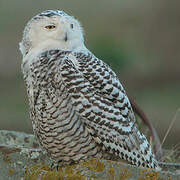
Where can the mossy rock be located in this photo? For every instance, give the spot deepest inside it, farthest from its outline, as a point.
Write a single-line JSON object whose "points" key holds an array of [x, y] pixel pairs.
{"points": [[20, 158]]}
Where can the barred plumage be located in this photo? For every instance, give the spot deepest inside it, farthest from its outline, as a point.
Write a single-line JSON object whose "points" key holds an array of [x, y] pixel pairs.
{"points": [[78, 106]]}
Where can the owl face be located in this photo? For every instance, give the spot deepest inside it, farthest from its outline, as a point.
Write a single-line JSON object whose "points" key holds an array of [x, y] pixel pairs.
{"points": [[52, 26]]}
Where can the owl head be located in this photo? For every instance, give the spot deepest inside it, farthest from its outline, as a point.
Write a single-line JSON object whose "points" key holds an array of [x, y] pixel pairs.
{"points": [[50, 29]]}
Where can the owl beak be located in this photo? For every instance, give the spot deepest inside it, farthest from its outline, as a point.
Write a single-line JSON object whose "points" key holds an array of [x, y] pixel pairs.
{"points": [[65, 38]]}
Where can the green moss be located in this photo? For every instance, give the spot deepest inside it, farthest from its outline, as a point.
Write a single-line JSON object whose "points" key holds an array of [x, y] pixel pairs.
{"points": [[11, 172], [111, 173], [91, 169], [94, 165], [125, 174], [44, 172], [148, 174], [68, 172], [93, 176]]}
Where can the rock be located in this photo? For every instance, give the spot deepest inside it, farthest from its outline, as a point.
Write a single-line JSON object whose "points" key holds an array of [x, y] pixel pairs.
{"points": [[21, 158]]}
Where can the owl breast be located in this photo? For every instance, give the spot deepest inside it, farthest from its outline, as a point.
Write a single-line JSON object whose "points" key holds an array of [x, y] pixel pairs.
{"points": [[57, 126]]}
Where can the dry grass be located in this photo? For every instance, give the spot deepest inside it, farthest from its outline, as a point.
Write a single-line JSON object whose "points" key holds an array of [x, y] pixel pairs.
{"points": [[171, 155]]}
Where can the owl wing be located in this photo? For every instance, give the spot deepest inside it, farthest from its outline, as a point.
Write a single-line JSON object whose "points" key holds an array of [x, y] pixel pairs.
{"points": [[106, 112], [105, 82]]}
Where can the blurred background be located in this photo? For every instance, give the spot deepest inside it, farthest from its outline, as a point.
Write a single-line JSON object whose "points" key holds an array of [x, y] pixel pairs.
{"points": [[140, 40]]}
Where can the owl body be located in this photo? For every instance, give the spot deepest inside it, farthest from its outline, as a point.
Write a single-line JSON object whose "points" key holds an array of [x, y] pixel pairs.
{"points": [[78, 106], [57, 126]]}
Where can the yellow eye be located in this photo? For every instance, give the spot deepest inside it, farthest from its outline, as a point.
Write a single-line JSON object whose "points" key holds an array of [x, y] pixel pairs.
{"points": [[50, 27]]}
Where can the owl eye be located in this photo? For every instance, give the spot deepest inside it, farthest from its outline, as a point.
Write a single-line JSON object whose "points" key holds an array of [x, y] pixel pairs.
{"points": [[71, 26], [49, 27]]}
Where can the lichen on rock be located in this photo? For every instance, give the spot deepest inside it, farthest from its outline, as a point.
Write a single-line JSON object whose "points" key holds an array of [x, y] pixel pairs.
{"points": [[21, 158]]}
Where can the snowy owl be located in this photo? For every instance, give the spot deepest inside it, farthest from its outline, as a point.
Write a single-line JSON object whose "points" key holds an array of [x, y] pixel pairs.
{"points": [[78, 106]]}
